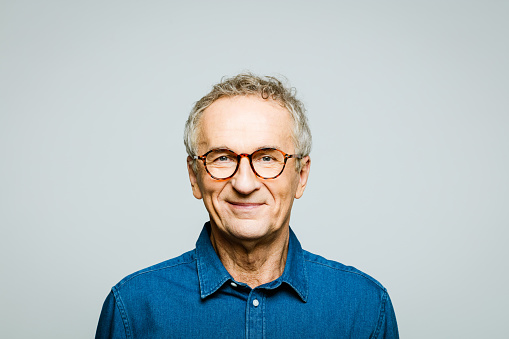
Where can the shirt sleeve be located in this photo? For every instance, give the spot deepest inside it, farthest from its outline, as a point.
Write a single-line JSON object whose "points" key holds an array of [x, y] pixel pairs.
{"points": [[111, 324], [388, 327]]}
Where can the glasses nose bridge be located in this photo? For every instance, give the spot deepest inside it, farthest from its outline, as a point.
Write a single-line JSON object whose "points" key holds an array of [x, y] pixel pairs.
{"points": [[244, 155], [249, 157]]}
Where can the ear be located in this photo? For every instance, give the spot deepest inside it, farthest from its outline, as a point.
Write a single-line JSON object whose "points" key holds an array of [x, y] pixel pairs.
{"points": [[303, 176], [193, 178]]}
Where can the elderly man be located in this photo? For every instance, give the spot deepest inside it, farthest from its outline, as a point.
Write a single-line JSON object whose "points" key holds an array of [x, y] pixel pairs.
{"points": [[248, 143]]}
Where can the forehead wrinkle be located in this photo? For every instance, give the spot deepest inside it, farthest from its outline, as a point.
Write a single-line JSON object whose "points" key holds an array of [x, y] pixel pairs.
{"points": [[245, 129], [241, 147]]}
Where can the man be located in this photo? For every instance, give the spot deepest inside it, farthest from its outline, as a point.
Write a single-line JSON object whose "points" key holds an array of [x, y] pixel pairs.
{"points": [[248, 143]]}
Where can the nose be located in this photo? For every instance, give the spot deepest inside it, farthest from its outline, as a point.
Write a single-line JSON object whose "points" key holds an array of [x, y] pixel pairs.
{"points": [[245, 181]]}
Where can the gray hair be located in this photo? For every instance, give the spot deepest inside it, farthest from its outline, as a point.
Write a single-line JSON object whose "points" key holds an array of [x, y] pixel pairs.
{"points": [[245, 84]]}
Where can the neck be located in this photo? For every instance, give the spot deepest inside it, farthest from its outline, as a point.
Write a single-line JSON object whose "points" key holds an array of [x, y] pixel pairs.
{"points": [[253, 262]]}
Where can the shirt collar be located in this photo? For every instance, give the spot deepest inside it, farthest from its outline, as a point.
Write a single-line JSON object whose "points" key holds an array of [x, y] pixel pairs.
{"points": [[212, 274]]}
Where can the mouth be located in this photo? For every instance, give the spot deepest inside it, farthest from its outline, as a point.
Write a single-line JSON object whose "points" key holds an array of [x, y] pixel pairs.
{"points": [[245, 206]]}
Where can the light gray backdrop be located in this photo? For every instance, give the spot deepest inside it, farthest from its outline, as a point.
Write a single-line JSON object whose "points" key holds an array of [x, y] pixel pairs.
{"points": [[408, 103]]}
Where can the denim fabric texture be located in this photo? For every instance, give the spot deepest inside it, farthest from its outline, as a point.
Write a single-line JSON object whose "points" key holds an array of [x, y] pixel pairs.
{"points": [[193, 296]]}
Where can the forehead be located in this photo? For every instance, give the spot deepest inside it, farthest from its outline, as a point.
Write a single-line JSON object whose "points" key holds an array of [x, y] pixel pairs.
{"points": [[245, 124]]}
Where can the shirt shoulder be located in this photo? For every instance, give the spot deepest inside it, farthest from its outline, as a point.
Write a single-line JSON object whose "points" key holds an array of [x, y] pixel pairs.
{"points": [[172, 268], [360, 302], [331, 269]]}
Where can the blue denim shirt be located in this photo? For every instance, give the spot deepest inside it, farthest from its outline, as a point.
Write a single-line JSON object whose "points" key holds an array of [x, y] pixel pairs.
{"points": [[193, 296]]}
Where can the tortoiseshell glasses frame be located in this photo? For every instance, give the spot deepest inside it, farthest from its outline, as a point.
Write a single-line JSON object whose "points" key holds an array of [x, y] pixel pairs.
{"points": [[263, 152]]}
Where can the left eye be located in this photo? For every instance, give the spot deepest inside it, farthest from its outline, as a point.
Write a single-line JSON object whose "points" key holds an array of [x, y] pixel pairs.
{"points": [[266, 158]]}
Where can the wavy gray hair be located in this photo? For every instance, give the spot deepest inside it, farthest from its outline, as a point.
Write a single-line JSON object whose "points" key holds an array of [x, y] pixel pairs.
{"points": [[267, 87]]}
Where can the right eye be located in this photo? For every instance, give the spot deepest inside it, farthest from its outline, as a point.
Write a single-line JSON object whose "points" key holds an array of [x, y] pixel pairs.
{"points": [[221, 158]]}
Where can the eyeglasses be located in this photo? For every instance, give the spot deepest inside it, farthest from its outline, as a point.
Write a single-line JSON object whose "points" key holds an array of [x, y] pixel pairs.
{"points": [[266, 163]]}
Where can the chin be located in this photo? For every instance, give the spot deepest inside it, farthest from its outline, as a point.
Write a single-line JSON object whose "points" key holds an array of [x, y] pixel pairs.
{"points": [[248, 229]]}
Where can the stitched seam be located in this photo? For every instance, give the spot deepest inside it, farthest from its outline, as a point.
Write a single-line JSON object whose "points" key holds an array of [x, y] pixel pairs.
{"points": [[123, 313], [216, 287], [210, 291], [154, 270], [348, 271], [303, 296], [247, 315], [381, 316], [292, 282], [264, 301], [199, 272], [306, 277]]}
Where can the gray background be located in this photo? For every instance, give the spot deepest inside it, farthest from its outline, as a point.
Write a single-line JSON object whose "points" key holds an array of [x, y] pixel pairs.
{"points": [[408, 104]]}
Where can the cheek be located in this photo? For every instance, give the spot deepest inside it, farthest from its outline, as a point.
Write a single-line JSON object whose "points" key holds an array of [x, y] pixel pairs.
{"points": [[286, 191], [282, 194], [211, 190]]}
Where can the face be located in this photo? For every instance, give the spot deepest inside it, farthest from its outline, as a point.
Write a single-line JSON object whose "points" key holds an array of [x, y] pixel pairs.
{"points": [[246, 207]]}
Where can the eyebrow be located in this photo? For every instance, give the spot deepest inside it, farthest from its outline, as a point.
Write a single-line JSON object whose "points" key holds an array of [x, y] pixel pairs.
{"points": [[226, 147]]}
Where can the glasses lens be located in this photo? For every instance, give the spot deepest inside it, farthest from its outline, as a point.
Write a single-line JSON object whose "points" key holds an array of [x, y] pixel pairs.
{"points": [[221, 163], [268, 163]]}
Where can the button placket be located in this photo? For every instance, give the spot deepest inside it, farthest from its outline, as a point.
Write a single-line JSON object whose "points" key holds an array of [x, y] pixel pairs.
{"points": [[255, 314]]}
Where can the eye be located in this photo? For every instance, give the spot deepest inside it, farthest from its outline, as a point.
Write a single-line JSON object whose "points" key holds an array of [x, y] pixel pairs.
{"points": [[266, 158], [221, 157]]}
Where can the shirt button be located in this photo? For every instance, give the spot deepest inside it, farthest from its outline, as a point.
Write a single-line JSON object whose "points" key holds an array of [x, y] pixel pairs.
{"points": [[233, 284], [256, 303]]}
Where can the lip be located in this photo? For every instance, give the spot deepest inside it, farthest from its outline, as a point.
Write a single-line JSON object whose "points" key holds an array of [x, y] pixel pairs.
{"points": [[246, 206]]}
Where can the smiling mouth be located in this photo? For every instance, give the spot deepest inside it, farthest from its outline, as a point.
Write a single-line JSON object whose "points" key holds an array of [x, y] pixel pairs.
{"points": [[245, 205]]}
